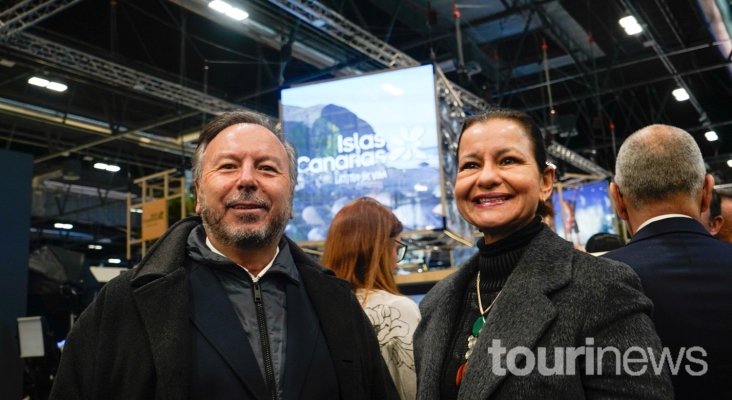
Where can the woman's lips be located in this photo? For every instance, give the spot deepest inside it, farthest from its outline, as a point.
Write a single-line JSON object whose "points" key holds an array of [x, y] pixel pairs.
{"points": [[494, 199]]}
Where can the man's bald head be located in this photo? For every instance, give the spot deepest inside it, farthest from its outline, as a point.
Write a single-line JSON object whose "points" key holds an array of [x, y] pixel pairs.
{"points": [[658, 163]]}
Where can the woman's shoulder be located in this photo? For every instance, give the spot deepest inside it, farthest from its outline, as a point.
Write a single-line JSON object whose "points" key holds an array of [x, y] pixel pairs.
{"points": [[595, 269], [381, 297]]}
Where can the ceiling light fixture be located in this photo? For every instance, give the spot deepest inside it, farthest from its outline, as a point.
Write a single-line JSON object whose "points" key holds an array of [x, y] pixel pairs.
{"points": [[60, 225], [680, 94], [729, 162], [711, 136], [45, 83], [631, 25], [229, 10], [95, 247], [106, 167], [114, 261]]}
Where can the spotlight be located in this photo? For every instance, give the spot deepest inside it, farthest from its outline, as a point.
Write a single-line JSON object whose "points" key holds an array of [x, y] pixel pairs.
{"points": [[60, 225], [35, 81], [220, 6], [729, 162], [45, 83], [95, 247], [711, 136], [680, 94], [106, 167], [229, 10], [114, 261], [237, 14], [631, 25]]}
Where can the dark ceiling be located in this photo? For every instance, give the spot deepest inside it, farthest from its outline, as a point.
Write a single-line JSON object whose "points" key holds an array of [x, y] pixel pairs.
{"points": [[600, 77]]}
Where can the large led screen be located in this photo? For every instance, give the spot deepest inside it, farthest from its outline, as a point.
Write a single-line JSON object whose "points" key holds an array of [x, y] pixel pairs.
{"points": [[586, 210], [373, 135]]}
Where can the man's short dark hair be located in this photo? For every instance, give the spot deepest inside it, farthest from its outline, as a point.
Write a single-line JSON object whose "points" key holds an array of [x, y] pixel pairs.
{"points": [[223, 121]]}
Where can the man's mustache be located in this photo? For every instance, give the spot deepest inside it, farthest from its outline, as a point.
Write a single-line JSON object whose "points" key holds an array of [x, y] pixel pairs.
{"points": [[249, 198]]}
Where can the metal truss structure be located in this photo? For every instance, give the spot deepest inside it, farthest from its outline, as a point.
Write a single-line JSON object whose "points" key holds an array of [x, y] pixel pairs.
{"points": [[26, 13], [669, 66], [560, 152], [347, 32], [116, 74]]}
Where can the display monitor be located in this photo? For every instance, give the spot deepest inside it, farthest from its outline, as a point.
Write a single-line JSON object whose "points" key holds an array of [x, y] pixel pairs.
{"points": [[585, 211], [373, 135]]}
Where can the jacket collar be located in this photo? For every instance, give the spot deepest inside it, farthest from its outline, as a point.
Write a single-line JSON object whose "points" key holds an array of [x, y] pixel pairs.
{"points": [[669, 225], [160, 282], [519, 317]]}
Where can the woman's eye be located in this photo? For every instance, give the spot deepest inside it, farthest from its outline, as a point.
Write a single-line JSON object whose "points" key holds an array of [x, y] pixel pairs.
{"points": [[469, 165], [508, 161]]}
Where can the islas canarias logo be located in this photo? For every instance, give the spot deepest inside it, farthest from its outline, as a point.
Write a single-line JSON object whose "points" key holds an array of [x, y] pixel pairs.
{"points": [[367, 150]]}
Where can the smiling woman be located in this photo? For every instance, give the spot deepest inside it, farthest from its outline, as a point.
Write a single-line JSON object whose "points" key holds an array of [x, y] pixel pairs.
{"points": [[526, 289]]}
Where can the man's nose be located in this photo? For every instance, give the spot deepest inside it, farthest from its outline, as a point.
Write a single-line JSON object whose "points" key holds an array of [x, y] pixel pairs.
{"points": [[247, 178]]}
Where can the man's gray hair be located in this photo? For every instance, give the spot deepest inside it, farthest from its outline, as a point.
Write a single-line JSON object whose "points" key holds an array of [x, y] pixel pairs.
{"points": [[657, 163], [223, 121]]}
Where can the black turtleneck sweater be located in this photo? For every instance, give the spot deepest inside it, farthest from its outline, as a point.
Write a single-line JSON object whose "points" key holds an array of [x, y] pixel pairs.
{"points": [[497, 261]]}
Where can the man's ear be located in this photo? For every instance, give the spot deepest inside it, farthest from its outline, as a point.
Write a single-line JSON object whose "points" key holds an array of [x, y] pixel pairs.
{"points": [[715, 225], [198, 202], [707, 193], [619, 201]]}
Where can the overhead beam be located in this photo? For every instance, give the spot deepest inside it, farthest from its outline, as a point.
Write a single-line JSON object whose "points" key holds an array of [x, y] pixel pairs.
{"points": [[340, 28], [117, 75], [114, 137], [26, 13]]}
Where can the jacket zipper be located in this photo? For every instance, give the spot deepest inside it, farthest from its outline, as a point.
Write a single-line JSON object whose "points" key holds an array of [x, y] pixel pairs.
{"points": [[264, 338]]}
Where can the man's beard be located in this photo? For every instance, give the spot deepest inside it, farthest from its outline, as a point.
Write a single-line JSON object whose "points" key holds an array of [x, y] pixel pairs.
{"points": [[243, 238]]}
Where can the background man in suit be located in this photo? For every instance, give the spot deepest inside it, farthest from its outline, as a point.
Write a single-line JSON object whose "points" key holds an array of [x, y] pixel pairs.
{"points": [[712, 218], [725, 232], [661, 188], [225, 306]]}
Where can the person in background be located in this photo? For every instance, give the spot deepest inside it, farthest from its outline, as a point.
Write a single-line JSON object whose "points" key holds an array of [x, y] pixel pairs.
{"points": [[712, 218], [224, 305], [527, 288], [661, 188], [603, 242], [363, 248], [725, 232]]}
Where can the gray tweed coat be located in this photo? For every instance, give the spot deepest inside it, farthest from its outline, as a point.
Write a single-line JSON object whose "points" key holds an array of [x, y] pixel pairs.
{"points": [[555, 297]]}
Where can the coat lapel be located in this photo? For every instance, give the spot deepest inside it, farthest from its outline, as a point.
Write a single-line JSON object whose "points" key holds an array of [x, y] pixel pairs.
{"points": [[168, 332], [160, 283], [214, 316], [522, 312], [334, 307], [301, 339], [439, 310]]}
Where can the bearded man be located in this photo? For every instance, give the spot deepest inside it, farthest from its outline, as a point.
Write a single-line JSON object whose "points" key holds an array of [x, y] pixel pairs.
{"points": [[225, 306]]}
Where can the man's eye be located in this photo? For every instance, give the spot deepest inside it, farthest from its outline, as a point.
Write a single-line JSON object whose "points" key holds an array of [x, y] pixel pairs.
{"points": [[267, 168], [228, 166]]}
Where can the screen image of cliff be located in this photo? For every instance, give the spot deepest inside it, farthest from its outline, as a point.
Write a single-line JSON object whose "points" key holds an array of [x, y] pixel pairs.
{"points": [[373, 135]]}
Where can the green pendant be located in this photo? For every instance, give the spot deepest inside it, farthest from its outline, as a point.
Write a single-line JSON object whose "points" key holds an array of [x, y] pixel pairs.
{"points": [[477, 326]]}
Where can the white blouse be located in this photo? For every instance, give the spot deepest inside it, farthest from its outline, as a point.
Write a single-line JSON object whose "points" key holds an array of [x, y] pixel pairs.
{"points": [[394, 319]]}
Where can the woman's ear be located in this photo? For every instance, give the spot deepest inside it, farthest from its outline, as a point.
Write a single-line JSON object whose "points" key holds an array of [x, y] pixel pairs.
{"points": [[547, 182]]}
